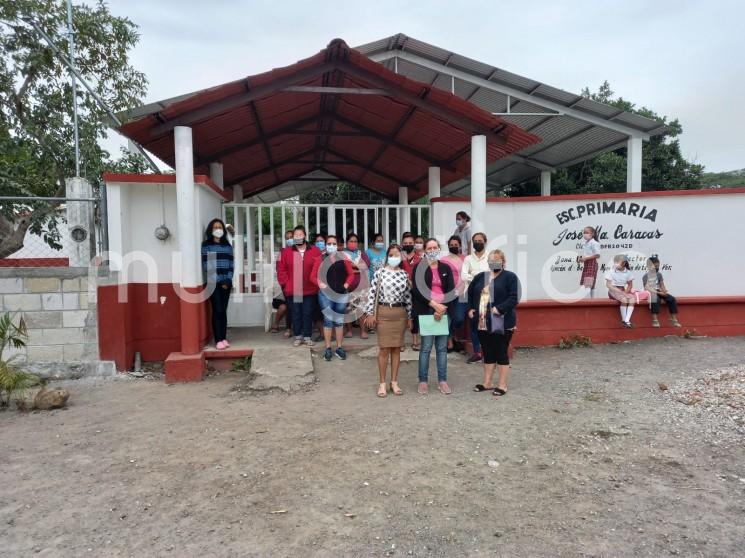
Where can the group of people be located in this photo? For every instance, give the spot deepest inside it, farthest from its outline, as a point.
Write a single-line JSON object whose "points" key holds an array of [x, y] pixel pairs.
{"points": [[440, 297], [390, 289]]}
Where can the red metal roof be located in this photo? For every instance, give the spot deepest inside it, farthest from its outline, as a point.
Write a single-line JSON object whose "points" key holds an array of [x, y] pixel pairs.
{"points": [[383, 135]]}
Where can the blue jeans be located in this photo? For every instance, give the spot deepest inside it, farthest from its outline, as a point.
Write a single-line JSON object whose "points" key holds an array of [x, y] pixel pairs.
{"points": [[333, 310], [475, 335], [441, 355], [302, 316]]}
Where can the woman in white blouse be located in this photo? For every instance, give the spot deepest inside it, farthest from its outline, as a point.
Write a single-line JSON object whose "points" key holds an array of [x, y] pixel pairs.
{"points": [[389, 310]]}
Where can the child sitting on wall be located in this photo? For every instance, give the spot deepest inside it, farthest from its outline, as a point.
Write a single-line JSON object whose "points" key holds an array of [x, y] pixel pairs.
{"points": [[655, 285]]}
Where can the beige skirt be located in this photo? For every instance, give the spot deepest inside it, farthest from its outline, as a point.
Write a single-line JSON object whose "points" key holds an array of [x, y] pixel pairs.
{"points": [[391, 326]]}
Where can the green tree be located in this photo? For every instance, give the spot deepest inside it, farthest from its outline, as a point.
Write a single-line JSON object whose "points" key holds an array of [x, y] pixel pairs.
{"points": [[663, 165], [37, 149]]}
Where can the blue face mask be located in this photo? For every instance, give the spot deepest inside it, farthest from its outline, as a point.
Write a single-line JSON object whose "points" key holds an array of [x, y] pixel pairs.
{"points": [[379, 245], [394, 261], [289, 242], [321, 245]]}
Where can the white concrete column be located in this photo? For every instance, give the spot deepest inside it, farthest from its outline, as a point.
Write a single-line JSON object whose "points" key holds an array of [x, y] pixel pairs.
{"points": [[403, 214], [188, 228], [545, 183], [634, 165], [478, 183], [433, 192], [216, 174], [239, 218], [80, 221]]}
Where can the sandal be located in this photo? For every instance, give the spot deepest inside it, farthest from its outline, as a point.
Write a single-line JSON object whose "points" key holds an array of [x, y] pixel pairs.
{"points": [[382, 392], [482, 387], [395, 389], [274, 330], [414, 347], [287, 334], [499, 392], [444, 388]]}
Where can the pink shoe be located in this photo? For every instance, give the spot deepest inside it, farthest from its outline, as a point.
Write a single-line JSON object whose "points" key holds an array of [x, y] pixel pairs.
{"points": [[227, 344], [221, 345]]}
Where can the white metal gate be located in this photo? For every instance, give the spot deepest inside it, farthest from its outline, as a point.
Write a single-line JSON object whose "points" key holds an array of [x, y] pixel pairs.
{"points": [[259, 236]]}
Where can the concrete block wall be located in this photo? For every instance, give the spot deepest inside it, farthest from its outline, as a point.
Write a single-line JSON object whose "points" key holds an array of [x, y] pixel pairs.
{"points": [[61, 319]]}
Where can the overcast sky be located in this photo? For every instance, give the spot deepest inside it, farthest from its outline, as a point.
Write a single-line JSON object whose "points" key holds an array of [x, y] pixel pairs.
{"points": [[683, 59]]}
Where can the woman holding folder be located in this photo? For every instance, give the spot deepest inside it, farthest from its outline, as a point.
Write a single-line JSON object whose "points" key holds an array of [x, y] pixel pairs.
{"points": [[433, 292], [492, 297]]}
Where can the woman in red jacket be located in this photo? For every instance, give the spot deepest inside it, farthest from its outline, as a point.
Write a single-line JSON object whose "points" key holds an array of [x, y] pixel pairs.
{"points": [[294, 271]]}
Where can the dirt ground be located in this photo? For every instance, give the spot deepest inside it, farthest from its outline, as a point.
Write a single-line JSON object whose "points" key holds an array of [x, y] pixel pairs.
{"points": [[586, 456]]}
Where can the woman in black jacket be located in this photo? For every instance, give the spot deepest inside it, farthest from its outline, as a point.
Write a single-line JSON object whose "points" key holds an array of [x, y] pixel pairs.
{"points": [[433, 293], [492, 297]]}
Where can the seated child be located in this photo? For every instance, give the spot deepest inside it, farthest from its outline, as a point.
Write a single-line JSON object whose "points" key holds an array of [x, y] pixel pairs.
{"points": [[654, 283], [620, 282]]}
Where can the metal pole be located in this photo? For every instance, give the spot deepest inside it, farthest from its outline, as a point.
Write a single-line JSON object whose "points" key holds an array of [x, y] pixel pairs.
{"points": [[71, 39], [90, 90]]}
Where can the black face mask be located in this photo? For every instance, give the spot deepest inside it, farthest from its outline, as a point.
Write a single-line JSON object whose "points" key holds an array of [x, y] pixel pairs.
{"points": [[454, 250], [408, 248], [478, 246]]}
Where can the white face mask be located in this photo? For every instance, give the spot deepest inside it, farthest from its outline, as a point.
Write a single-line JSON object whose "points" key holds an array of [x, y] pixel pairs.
{"points": [[218, 233], [587, 236]]}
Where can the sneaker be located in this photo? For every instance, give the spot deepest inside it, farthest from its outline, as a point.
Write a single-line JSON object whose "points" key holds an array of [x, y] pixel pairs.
{"points": [[475, 357], [227, 343], [341, 353], [308, 342], [628, 325], [675, 323], [655, 323], [297, 342], [327, 354], [220, 345]]}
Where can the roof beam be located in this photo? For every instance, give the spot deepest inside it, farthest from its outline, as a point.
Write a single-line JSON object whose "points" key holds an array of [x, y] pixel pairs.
{"points": [[263, 170], [334, 90], [235, 101], [256, 141], [506, 90], [390, 139], [461, 122]]}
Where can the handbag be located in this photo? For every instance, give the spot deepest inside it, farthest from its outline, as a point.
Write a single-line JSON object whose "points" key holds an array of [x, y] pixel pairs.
{"points": [[497, 323]]}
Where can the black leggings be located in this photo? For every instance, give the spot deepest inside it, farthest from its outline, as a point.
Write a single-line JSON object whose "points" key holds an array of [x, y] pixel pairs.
{"points": [[495, 347], [219, 300], [672, 303]]}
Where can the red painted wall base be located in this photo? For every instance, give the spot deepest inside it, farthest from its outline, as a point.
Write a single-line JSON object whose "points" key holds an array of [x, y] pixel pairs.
{"points": [[545, 322], [185, 368], [150, 327]]}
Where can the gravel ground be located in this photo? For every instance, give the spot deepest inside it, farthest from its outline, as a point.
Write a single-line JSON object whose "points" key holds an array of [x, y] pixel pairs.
{"points": [[635, 449]]}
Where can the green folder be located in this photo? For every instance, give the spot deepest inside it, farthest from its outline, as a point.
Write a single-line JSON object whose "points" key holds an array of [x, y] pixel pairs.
{"points": [[429, 326]]}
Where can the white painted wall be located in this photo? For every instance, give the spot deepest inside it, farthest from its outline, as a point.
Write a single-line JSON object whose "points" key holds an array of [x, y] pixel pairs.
{"points": [[134, 214], [700, 244]]}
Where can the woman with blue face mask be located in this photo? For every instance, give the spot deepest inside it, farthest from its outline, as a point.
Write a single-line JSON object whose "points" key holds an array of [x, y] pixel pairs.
{"points": [[320, 242], [376, 254], [389, 309]]}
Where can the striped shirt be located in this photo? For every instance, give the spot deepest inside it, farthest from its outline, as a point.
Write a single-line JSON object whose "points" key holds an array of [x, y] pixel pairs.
{"points": [[217, 267]]}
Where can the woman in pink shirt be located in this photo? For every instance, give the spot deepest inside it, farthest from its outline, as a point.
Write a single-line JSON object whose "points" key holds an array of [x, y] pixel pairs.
{"points": [[433, 293]]}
